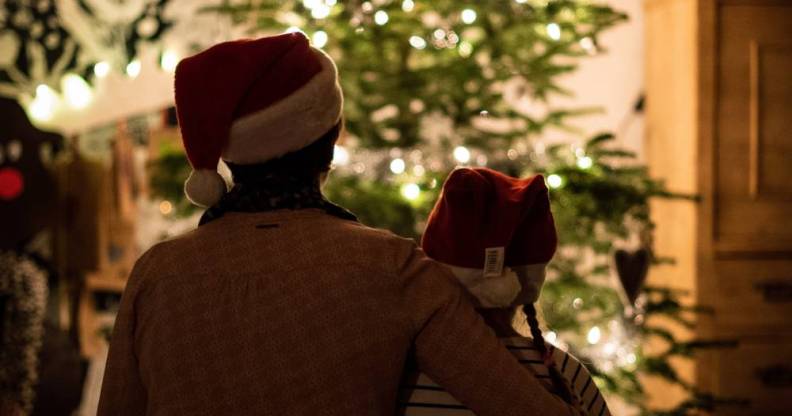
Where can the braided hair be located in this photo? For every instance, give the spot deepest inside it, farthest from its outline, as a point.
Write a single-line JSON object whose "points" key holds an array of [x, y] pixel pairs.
{"points": [[560, 384]]}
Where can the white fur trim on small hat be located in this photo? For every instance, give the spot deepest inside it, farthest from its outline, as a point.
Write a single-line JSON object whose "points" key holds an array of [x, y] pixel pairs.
{"points": [[291, 123], [489, 292], [517, 285], [205, 187]]}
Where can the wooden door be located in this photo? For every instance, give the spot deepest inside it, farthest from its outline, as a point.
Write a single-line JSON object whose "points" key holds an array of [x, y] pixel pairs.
{"points": [[753, 149]]}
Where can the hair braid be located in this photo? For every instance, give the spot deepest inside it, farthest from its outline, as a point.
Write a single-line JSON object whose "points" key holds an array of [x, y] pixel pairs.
{"points": [[560, 383]]}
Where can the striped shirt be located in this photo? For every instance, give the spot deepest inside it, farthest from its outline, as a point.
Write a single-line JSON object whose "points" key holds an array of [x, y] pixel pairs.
{"points": [[420, 396]]}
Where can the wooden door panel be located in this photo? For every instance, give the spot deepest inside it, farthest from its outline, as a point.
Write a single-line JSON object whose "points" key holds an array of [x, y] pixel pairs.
{"points": [[759, 370], [753, 297], [754, 146]]}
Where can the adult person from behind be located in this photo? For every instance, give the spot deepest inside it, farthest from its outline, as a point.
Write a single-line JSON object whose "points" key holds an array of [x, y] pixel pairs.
{"points": [[281, 303]]}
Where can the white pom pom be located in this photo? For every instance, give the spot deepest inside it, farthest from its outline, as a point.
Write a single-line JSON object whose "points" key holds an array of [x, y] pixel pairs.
{"points": [[205, 187]]}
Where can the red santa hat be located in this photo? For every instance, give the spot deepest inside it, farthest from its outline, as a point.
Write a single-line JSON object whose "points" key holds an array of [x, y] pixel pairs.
{"points": [[495, 232], [249, 101]]}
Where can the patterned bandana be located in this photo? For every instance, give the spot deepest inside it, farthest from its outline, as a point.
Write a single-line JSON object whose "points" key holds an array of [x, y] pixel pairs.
{"points": [[274, 191]]}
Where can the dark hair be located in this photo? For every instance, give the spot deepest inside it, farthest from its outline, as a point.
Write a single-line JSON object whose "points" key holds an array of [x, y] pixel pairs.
{"points": [[560, 383], [309, 161]]}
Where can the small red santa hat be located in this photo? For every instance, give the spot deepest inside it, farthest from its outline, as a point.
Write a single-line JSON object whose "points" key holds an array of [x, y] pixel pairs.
{"points": [[495, 232], [249, 101]]}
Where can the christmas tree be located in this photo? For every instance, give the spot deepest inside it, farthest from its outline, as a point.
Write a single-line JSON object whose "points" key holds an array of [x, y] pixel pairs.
{"points": [[430, 85]]}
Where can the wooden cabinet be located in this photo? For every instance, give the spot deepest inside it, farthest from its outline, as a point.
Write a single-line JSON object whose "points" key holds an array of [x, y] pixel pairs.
{"points": [[719, 125]]}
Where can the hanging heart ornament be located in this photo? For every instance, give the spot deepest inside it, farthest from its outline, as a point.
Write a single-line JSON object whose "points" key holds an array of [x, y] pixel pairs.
{"points": [[632, 268]]}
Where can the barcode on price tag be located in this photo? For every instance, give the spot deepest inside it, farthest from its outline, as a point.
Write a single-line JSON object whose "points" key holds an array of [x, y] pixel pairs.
{"points": [[493, 261]]}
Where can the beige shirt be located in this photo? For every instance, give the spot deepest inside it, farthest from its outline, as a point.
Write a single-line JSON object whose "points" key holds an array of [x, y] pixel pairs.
{"points": [[300, 313]]}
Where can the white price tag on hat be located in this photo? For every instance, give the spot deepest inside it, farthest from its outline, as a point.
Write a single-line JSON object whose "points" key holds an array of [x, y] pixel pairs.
{"points": [[493, 261]]}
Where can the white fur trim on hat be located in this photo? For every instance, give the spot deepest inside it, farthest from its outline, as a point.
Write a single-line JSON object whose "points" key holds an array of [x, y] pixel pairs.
{"points": [[489, 292], [205, 187], [291, 123], [517, 285]]}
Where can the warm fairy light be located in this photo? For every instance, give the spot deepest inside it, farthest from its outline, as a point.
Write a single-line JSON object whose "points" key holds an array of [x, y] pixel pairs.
{"points": [[439, 34], [381, 17], [469, 16], [577, 303], [76, 91], [408, 5], [551, 337], [310, 4], [397, 166], [520, 1], [319, 38], [169, 60], [585, 162], [465, 48], [411, 191], [101, 69], [587, 44], [133, 68], [554, 31], [292, 29], [554, 181], [594, 335], [165, 207], [512, 154], [42, 108], [462, 154], [417, 42], [321, 11], [631, 358], [340, 155], [419, 170]]}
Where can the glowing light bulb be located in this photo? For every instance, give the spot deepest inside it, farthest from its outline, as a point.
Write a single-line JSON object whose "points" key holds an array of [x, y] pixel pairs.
{"points": [[169, 60], [319, 38], [408, 5], [76, 91], [554, 31], [292, 29], [321, 11], [551, 337], [587, 44], [520, 1], [631, 358], [133, 68], [439, 34], [42, 108], [381, 17], [417, 42], [397, 166], [555, 181], [594, 335], [585, 162], [465, 49], [310, 4], [411, 191], [469, 16], [101, 69], [462, 154], [165, 207], [340, 156]]}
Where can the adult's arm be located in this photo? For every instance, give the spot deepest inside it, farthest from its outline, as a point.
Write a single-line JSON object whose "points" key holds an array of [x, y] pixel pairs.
{"points": [[122, 389], [456, 349]]}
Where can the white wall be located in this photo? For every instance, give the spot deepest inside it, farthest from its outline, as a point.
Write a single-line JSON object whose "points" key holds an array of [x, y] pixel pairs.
{"points": [[612, 80]]}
